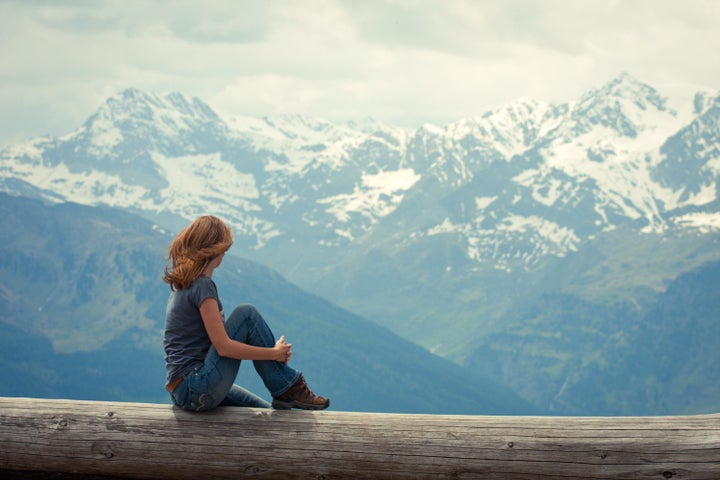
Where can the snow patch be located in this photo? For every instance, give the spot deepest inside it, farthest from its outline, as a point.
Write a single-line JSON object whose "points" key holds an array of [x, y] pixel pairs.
{"points": [[377, 195], [445, 227], [481, 203], [204, 176], [194, 181], [705, 222]]}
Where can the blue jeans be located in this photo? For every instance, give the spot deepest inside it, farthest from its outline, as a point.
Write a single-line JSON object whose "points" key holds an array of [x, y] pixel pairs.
{"points": [[212, 384]]}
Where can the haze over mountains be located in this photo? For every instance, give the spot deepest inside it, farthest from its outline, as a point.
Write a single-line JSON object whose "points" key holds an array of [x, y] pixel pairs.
{"points": [[82, 309], [479, 240]]}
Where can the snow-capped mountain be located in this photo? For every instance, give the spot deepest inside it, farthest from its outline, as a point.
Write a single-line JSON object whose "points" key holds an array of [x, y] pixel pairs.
{"points": [[532, 180], [620, 152], [505, 190]]}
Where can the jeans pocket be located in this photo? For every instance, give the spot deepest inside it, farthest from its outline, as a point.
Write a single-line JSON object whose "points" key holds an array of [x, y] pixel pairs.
{"points": [[203, 402], [197, 395]]}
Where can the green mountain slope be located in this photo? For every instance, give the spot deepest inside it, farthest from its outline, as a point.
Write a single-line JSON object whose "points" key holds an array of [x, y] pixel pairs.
{"points": [[584, 358], [82, 309]]}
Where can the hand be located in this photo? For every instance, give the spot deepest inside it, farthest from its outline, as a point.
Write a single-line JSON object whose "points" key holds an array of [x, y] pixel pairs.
{"points": [[283, 350]]}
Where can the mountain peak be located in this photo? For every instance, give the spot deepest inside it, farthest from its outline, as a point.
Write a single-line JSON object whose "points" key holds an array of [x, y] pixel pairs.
{"points": [[627, 87], [623, 79], [135, 103], [303, 128], [510, 129], [134, 110], [192, 106], [624, 104], [130, 93]]}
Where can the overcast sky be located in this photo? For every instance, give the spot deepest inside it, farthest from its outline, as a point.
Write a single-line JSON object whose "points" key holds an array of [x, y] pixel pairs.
{"points": [[403, 62]]}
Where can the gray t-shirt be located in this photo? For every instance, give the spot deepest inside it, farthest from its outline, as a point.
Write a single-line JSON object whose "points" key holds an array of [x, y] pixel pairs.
{"points": [[186, 340]]}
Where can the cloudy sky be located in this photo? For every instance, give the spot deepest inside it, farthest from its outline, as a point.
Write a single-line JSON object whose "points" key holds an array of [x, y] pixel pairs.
{"points": [[404, 62]]}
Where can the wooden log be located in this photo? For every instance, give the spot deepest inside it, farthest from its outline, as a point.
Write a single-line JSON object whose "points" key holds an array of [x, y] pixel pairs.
{"points": [[135, 440]]}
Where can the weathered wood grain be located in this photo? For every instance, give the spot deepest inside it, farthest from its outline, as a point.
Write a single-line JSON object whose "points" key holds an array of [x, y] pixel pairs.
{"points": [[133, 440]]}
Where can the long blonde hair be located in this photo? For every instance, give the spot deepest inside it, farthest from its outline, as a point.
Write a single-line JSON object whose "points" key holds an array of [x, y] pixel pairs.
{"points": [[194, 248]]}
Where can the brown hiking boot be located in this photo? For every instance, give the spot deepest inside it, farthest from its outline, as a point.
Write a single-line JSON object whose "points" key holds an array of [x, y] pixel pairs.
{"points": [[300, 396]]}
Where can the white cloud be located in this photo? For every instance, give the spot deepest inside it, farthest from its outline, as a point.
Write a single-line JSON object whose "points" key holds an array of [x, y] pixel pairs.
{"points": [[404, 62]]}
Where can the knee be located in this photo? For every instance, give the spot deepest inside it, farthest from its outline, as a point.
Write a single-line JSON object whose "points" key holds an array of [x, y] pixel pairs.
{"points": [[245, 324], [245, 311], [244, 315]]}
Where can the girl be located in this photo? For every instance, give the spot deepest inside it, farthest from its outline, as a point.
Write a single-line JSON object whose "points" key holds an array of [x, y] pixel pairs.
{"points": [[203, 351]]}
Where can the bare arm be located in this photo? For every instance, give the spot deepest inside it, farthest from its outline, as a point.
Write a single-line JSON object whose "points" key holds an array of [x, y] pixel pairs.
{"points": [[227, 347]]}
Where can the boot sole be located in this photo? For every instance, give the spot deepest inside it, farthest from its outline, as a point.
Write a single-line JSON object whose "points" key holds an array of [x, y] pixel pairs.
{"points": [[281, 405]]}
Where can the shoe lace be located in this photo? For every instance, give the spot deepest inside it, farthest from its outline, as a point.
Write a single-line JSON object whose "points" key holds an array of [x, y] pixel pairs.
{"points": [[305, 392]]}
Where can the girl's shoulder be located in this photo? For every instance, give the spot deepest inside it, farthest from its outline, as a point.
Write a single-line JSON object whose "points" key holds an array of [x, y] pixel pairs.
{"points": [[203, 279], [199, 290], [204, 283]]}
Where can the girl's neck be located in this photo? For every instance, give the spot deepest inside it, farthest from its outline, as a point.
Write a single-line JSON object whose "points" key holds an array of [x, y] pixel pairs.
{"points": [[212, 265], [208, 272]]}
